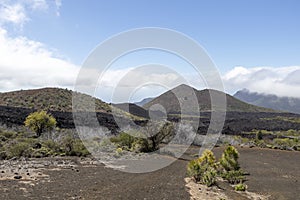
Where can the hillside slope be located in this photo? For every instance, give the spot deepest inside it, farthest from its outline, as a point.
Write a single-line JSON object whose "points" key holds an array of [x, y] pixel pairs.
{"points": [[52, 99], [132, 109]]}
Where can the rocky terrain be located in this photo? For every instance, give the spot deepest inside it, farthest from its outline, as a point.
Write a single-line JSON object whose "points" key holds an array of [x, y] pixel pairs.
{"points": [[76, 178]]}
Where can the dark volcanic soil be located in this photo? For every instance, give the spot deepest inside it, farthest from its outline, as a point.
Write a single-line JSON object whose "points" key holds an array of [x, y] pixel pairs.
{"points": [[272, 172]]}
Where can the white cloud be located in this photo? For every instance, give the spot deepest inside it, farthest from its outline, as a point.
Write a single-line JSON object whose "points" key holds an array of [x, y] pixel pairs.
{"points": [[25, 63], [29, 64], [283, 81], [37, 4], [17, 12], [58, 4], [14, 14]]}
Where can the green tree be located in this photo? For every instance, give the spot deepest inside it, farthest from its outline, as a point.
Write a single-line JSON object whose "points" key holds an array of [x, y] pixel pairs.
{"points": [[40, 122]]}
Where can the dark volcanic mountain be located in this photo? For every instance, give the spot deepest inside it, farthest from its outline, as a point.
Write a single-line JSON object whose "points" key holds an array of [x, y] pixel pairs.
{"points": [[269, 101], [172, 105], [16, 106]]}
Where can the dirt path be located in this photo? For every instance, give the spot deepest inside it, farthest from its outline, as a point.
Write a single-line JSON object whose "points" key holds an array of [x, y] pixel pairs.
{"points": [[272, 172]]}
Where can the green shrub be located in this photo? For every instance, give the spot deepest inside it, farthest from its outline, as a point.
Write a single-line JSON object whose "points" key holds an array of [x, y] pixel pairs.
{"points": [[131, 142], [259, 135], [42, 152], [66, 144], [209, 177], [79, 149], [285, 142], [105, 142], [140, 145], [240, 187], [50, 144], [19, 149], [119, 151], [234, 176], [229, 159], [203, 165], [8, 134], [73, 147], [3, 154], [123, 140]]}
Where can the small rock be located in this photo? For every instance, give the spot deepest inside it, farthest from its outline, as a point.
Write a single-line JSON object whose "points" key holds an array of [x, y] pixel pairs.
{"points": [[17, 177]]}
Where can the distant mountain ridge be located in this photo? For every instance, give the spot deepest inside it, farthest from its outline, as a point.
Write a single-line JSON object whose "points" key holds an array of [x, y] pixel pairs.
{"points": [[288, 104], [171, 104], [144, 101]]}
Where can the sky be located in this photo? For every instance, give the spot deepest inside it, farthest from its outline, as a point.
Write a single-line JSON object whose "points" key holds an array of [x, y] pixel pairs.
{"points": [[254, 44]]}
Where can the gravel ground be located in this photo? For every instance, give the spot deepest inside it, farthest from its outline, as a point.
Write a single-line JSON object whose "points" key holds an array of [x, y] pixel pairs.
{"points": [[272, 172]]}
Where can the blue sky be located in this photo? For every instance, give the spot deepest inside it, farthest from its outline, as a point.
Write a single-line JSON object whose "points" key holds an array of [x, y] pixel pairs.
{"points": [[251, 33], [245, 39]]}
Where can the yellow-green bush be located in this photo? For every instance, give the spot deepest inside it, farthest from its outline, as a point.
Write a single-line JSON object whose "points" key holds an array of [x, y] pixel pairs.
{"points": [[240, 187], [198, 167], [40, 122], [229, 159]]}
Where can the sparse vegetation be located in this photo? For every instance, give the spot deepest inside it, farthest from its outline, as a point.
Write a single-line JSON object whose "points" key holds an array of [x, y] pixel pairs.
{"points": [[54, 99], [283, 140], [123, 140], [285, 119], [147, 140], [19, 143]]}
